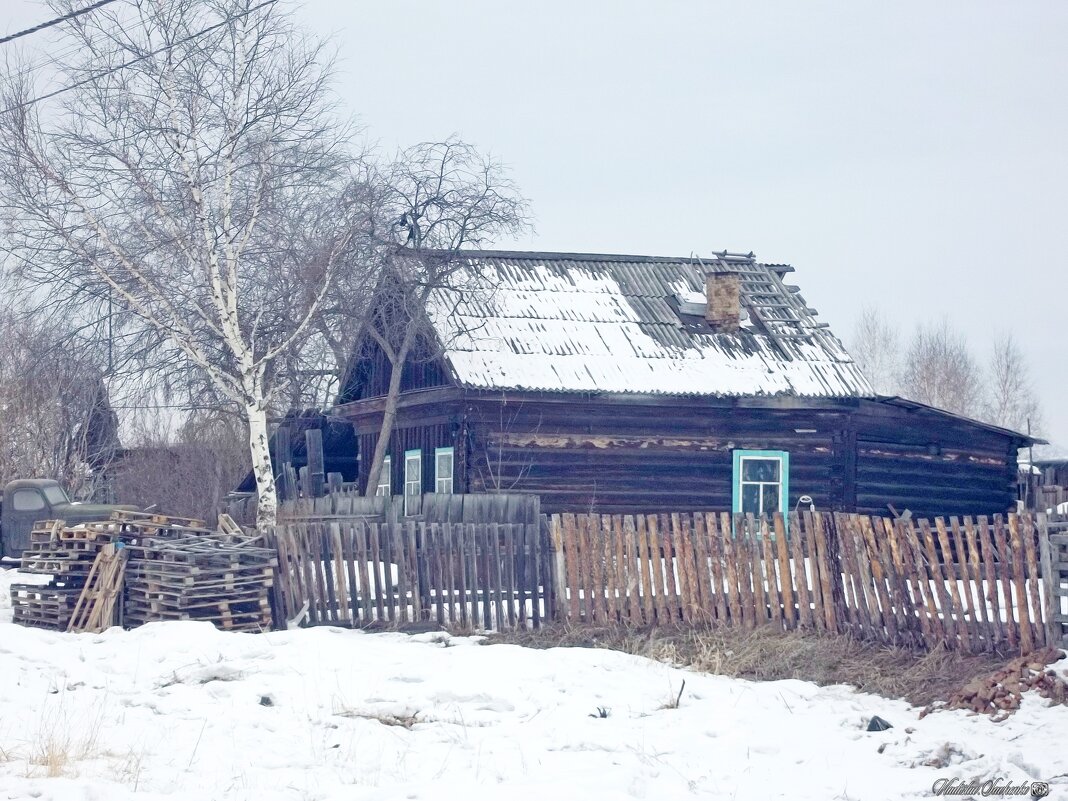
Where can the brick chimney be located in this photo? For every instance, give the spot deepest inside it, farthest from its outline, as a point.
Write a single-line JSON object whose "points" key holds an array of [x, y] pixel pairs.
{"points": [[724, 294]]}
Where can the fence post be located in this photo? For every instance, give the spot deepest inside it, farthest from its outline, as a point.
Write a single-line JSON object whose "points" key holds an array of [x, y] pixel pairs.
{"points": [[557, 568], [1051, 597]]}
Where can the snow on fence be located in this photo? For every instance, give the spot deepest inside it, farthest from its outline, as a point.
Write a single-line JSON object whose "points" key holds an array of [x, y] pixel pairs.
{"points": [[354, 572], [969, 584]]}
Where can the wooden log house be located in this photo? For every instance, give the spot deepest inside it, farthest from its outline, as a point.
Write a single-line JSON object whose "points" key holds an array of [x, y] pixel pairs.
{"points": [[632, 383]]}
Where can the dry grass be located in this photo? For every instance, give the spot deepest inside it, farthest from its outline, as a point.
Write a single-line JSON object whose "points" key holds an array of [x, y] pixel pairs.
{"points": [[767, 654]]}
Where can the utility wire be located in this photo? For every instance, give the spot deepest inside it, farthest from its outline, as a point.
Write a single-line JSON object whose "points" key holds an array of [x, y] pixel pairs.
{"points": [[56, 21], [133, 61]]}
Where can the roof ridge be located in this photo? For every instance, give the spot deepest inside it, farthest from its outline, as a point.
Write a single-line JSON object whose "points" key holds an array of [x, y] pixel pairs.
{"points": [[694, 258]]}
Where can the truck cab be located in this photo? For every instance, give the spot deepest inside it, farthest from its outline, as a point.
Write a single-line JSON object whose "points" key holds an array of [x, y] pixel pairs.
{"points": [[28, 500]]}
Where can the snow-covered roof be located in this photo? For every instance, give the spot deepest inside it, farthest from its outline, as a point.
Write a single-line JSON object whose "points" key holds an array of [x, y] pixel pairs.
{"points": [[564, 322]]}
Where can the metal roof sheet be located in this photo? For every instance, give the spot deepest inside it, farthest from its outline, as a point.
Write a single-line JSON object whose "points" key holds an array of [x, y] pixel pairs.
{"points": [[596, 323]]}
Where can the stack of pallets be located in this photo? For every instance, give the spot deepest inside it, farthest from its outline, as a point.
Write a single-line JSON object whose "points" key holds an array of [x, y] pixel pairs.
{"points": [[68, 553], [223, 578]]}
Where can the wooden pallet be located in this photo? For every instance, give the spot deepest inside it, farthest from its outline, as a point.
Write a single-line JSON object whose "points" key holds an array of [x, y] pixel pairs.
{"points": [[98, 602], [43, 606]]}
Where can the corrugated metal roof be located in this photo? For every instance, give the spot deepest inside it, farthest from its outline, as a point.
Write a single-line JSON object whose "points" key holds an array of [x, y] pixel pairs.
{"points": [[562, 322]]}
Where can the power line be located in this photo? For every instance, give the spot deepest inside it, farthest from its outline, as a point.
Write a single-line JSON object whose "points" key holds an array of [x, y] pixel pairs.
{"points": [[133, 61], [56, 21]]}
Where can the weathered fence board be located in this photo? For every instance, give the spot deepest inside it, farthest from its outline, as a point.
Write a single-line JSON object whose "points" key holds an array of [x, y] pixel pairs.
{"points": [[355, 573], [966, 585]]}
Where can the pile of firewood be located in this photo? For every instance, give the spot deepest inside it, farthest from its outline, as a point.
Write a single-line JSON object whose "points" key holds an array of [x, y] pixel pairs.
{"points": [[1000, 693]]}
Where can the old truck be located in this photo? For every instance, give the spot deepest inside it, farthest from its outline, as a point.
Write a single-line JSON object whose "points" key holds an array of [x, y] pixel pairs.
{"points": [[28, 500]]}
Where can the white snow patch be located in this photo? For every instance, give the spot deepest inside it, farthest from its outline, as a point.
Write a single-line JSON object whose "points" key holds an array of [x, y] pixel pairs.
{"points": [[183, 711]]}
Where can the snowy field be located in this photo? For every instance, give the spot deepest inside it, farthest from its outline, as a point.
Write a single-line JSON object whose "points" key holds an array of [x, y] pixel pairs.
{"points": [[182, 711]]}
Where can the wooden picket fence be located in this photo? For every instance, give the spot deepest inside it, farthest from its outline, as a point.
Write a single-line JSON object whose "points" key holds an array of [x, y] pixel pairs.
{"points": [[353, 572], [968, 584]]}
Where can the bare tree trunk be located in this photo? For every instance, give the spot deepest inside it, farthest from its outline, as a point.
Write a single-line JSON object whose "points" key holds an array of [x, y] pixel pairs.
{"points": [[262, 469], [389, 414]]}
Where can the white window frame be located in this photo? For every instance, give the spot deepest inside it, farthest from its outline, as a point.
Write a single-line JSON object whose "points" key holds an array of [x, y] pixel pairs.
{"points": [[412, 457], [385, 478], [783, 457], [444, 484]]}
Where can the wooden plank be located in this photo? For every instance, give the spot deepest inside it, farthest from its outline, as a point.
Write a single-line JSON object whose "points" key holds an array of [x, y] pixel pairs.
{"points": [[645, 571], [401, 556], [930, 611], [1028, 535], [415, 583], [486, 579], [917, 622], [1004, 571], [542, 587], [494, 536], [570, 540], [776, 613], [671, 576], [730, 561], [853, 591], [607, 555], [376, 571], [656, 564], [990, 570], [522, 566], [819, 616], [340, 574], [471, 560], [941, 592], [460, 543], [361, 535], [960, 569], [349, 558], [673, 535], [509, 560], [882, 535], [948, 568], [315, 542], [699, 611], [630, 602], [786, 578], [701, 568], [977, 599], [797, 552], [1027, 641], [753, 547], [884, 611], [828, 572], [714, 547], [389, 558], [1051, 602]]}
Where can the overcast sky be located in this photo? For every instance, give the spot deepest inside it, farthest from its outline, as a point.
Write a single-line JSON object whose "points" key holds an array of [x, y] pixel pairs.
{"points": [[910, 156]]}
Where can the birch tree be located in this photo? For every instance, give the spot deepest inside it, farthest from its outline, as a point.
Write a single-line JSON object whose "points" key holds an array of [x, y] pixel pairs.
{"points": [[434, 201], [938, 369], [1011, 399], [875, 347], [192, 135]]}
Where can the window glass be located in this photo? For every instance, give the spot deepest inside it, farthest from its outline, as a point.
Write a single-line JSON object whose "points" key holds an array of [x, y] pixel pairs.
{"points": [[760, 469], [55, 495], [413, 478], [761, 481], [27, 500], [443, 470], [385, 478]]}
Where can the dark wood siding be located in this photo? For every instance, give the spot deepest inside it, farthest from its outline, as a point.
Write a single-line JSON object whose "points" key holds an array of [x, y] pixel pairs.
{"points": [[627, 454], [368, 376], [607, 456]]}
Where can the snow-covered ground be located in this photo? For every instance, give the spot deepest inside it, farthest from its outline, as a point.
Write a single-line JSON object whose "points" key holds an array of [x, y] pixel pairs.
{"points": [[182, 711]]}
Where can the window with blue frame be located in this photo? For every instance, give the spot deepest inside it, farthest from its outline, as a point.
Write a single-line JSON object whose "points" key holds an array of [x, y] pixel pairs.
{"points": [[761, 482]]}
